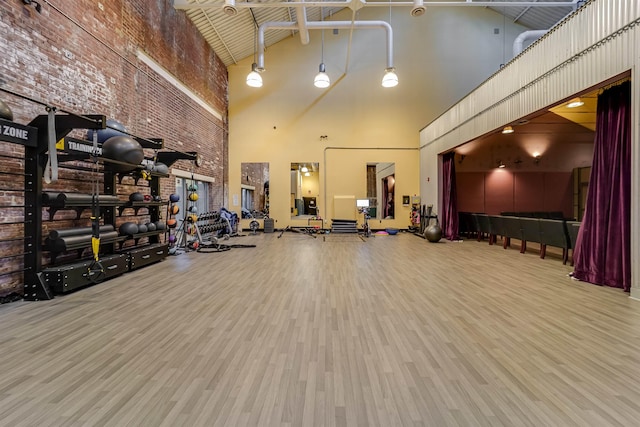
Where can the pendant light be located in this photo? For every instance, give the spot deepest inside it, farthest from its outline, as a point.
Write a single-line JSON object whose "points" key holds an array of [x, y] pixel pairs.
{"points": [[322, 80], [390, 78], [254, 79]]}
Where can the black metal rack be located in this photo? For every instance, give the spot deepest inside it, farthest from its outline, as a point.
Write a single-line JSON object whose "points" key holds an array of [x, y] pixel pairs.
{"points": [[35, 138]]}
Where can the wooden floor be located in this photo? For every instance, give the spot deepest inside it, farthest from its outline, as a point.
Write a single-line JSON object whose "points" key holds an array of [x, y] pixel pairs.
{"points": [[336, 331]]}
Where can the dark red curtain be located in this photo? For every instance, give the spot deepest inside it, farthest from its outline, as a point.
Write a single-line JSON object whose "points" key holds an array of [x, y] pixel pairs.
{"points": [[602, 254], [449, 197]]}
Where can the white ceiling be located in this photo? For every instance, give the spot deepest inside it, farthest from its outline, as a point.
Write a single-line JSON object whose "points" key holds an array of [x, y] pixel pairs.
{"points": [[232, 37]]}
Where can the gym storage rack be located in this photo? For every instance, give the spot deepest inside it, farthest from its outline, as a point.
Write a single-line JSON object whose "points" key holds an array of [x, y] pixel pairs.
{"points": [[43, 283]]}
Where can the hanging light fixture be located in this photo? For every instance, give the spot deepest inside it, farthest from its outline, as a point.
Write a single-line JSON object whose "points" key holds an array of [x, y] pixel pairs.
{"points": [[304, 169], [254, 79], [507, 129], [390, 78], [322, 78], [501, 164]]}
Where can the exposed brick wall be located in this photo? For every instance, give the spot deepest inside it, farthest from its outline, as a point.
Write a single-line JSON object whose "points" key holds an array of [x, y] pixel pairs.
{"points": [[81, 56]]}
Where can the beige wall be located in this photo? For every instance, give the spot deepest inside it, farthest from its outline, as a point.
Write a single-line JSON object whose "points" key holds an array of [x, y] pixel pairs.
{"points": [[439, 58]]}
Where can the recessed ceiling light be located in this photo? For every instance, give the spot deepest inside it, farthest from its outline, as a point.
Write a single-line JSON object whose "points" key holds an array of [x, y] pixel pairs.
{"points": [[575, 102]]}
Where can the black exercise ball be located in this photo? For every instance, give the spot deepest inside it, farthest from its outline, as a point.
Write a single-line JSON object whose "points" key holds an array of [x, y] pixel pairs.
{"points": [[114, 128], [5, 111], [159, 225], [433, 233], [151, 226], [136, 197], [128, 229], [142, 228], [122, 149]]}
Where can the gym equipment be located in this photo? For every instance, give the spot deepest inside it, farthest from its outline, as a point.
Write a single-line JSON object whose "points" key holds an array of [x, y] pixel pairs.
{"points": [[174, 209], [151, 226], [74, 276], [122, 149], [147, 255], [142, 228], [77, 241], [172, 238], [160, 225], [161, 168], [253, 226], [392, 231], [171, 223], [193, 209], [433, 232], [58, 234], [147, 198], [128, 229], [5, 111], [192, 218], [157, 198], [174, 198], [136, 197], [193, 197], [192, 188], [114, 128]]}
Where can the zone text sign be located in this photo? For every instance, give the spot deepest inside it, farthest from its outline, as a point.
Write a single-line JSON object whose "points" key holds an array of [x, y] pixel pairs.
{"points": [[18, 134]]}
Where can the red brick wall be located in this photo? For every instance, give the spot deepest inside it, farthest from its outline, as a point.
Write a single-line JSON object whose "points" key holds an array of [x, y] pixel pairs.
{"points": [[81, 56]]}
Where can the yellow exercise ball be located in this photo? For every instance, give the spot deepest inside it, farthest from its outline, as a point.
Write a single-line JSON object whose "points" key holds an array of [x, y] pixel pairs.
{"points": [[193, 197]]}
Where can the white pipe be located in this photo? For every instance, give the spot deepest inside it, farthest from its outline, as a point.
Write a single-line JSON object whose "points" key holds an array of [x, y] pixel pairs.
{"points": [[184, 4], [301, 12], [522, 37], [325, 25]]}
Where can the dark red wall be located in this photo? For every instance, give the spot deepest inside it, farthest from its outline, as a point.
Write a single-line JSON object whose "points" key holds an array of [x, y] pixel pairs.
{"points": [[502, 190]]}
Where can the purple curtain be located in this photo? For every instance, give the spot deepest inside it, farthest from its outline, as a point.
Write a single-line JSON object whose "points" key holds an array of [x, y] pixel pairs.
{"points": [[449, 197], [385, 198], [602, 254]]}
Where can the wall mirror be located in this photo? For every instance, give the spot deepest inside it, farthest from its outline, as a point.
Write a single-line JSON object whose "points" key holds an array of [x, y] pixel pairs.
{"points": [[255, 190], [381, 183], [305, 189]]}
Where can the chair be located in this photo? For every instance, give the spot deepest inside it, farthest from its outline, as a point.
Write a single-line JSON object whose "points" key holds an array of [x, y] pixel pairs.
{"points": [[572, 230], [530, 232], [512, 230], [554, 233], [483, 226], [497, 228]]}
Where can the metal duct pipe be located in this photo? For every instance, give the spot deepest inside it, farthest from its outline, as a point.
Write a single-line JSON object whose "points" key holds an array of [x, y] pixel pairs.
{"points": [[522, 37], [325, 25], [301, 13]]}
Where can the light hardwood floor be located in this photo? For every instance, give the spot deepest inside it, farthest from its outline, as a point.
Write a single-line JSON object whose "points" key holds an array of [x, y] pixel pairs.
{"points": [[328, 332]]}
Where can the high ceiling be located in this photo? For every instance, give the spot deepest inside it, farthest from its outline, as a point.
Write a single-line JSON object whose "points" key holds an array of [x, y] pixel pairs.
{"points": [[229, 26]]}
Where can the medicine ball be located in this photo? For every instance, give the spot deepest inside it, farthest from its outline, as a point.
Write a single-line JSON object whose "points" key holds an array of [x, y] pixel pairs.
{"points": [[171, 223], [128, 229], [172, 238], [159, 225], [161, 168], [142, 228], [151, 226], [5, 111], [114, 128], [136, 197], [193, 209], [174, 198], [147, 197], [173, 250], [157, 198], [193, 197], [192, 187], [174, 209], [122, 149]]}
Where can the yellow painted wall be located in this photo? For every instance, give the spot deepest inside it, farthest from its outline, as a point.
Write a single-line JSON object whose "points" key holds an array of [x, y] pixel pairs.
{"points": [[439, 57]]}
